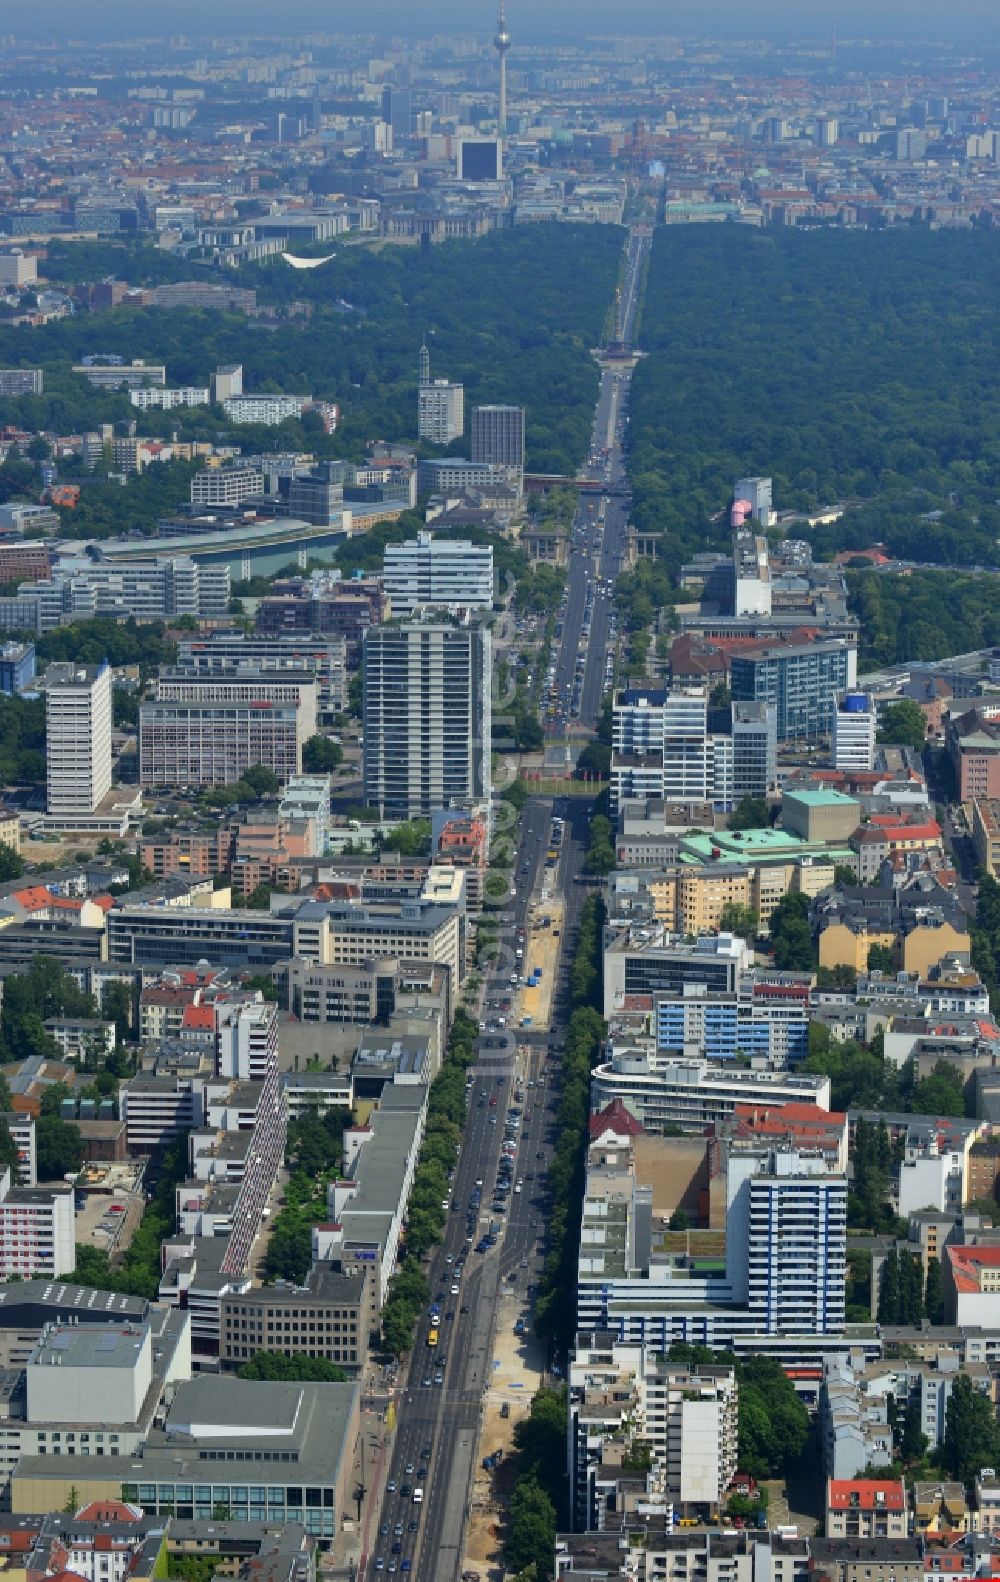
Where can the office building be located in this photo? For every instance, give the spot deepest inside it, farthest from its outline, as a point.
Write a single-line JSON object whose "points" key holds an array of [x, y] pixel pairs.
{"points": [[801, 678], [427, 718], [322, 659], [498, 439], [270, 410], [153, 589], [450, 475], [855, 724], [671, 746], [18, 269], [761, 1018], [77, 738], [17, 667], [21, 381], [448, 573], [397, 111], [227, 382], [164, 399], [827, 130], [208, 728], [757, 492], [298, 1439], [440, 411], [911, 144], [778, 1293], [685, 746], [665, 1091], [226, 485], [328, 1317], [480, 159], [120, 375]]}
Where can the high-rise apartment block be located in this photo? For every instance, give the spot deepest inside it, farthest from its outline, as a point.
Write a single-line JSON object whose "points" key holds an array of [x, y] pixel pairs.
{"points": [[77, 738], [855, 725], [498, 439], [426, 691], [786, 1240], [18, 268], [453, 574], [440, 411], [440, 405]]}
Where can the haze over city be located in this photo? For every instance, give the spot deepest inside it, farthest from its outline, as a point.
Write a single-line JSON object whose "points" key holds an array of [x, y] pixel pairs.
{"points": [[500, 792]]}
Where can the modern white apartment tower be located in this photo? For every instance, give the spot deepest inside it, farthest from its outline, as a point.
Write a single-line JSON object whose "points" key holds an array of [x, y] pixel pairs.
{"points": [[854, 727], [440, 411], [77, 737], [426, 694], [786, 1240], [453, 574], [685, 745]]}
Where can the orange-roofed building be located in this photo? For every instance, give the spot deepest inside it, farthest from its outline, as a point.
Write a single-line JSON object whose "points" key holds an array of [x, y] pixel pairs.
{"points": [[802, 1125], [972, 1286], [866, 1508]]}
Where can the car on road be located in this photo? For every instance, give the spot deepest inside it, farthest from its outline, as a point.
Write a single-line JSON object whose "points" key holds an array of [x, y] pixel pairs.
{"points": [[408, 1469], [390, 1487]]}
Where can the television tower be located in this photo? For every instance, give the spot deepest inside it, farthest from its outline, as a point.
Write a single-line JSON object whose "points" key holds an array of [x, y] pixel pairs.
{"points": [[502, 44]]}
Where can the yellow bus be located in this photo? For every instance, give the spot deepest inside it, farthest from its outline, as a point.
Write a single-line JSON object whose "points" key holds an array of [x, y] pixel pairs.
{"points": [[432, 1337]]}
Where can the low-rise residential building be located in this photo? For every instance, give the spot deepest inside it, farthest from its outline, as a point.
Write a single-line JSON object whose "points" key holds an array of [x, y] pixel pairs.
{"points": [[867, 1508]]}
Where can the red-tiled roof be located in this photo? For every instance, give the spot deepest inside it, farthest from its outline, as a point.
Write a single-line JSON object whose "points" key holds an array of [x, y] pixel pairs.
{"points": [[615, 1118], [866, 1494]]}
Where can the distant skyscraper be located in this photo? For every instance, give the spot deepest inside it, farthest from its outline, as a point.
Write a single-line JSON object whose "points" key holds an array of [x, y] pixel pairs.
{"points": [[397, 111], [427, 718], [498, 439], [480, 159], [827, 130], [425, 365], [502, 44], [911, 144], [77, 738]]}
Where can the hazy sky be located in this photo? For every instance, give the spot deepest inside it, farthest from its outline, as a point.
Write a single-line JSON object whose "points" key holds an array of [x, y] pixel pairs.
{"points": [[960, 19]]}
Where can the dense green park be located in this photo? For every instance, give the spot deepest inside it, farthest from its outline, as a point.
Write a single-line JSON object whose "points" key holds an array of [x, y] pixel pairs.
{"points": [[846, 365], [513, 316]]}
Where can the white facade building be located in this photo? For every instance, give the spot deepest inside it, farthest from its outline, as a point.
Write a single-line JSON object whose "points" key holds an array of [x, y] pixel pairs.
{"points": [[78, 721], [270, 410], [226, 485], [427, 718], [693, 1094], [36, 1230], [854, 729], [451, 573], [440, 411], [168, 398], [786, 1240]]}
